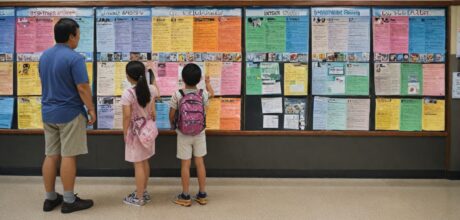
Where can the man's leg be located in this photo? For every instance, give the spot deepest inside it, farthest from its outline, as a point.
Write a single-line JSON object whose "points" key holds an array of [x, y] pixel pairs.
{"points": [[68, 172], [49, 171]]}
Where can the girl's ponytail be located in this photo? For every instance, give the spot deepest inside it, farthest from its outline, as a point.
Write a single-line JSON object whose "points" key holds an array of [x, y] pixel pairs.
{"points": [[136, 70]]}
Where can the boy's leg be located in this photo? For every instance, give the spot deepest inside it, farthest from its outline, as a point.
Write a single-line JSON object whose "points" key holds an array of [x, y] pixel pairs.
{"points": [[140, 177], [185, 175], [201, 172]]}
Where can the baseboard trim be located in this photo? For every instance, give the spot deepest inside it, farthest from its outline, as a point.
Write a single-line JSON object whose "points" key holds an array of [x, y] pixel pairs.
{"points": [[374, 174]]}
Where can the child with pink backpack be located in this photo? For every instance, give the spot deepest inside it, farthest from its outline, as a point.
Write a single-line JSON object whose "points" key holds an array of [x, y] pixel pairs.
{"points": [[187, 114], [139, 129]]}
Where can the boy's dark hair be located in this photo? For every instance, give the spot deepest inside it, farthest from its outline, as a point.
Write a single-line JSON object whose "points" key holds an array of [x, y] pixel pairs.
{"points": [[191, 74], [64, 28], [136, 70]]}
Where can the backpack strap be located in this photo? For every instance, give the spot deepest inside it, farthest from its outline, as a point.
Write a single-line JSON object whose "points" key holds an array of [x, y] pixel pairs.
{"points": [[182, 92], [144, 114], [200, 92]]}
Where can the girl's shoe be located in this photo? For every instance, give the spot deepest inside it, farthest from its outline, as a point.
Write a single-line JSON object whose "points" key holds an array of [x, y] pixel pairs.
{"points": [[132, 200]]}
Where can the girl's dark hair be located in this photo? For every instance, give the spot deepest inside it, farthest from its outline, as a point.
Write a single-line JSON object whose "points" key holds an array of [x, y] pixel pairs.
{"points": [[136, 70]]}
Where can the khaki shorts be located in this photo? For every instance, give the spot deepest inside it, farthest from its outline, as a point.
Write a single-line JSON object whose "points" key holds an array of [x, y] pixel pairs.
{"points": [[188, 146], [67, 139]]}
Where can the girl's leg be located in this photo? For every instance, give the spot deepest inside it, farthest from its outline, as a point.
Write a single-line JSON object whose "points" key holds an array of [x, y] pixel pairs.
{"points": [[147, 173], [185, 175], [139, 175], [201, 173]]}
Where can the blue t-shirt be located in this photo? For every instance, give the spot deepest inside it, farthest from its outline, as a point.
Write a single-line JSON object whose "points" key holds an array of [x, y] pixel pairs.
{"points": [[61, 70]]}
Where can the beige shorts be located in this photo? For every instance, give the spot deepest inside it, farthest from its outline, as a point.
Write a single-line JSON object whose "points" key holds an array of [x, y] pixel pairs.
{"points": [[188, 146], [68, 139]]}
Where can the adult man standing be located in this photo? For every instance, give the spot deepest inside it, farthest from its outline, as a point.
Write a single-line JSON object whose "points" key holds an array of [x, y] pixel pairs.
{"points": [[65, 91]]}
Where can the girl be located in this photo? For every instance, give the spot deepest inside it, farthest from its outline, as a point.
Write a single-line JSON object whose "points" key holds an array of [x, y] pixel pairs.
{"points": [[138, 102]]}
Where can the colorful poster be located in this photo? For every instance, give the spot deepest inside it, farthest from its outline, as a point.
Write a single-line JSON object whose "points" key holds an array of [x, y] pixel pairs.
{"points": [[162, 109], [387, 78], [205, 34], [7, 23], [320, 108], [340, 34], [105, 78], [434, 79], [231, 79], [229, 35], [433, 117], [35, 28], [411, 115], [295, 110], [253, 79], [126, 29], [295, 79], [414, 35], [336, 114], [358, 112], [411, 79], [277, 30], [109, 112], [230, 117], [337, 78], [387, 114], [29, 112], [6, 112], [6, 76], [28, 79], [167, 77]]}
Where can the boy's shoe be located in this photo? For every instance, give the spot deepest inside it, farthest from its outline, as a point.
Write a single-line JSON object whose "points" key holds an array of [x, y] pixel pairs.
{"points": [[79, 204], [147, 197], [132, 200], [201, 198], [183, 200], [49, 205]]}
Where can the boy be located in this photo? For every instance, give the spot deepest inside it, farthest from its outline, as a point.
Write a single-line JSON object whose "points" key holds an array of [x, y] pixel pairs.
{"points": [[191, 145]]}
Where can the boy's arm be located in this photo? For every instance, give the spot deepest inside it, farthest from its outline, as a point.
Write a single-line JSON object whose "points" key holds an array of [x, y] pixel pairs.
{"points": [[209, 87], [172, 114], [126, 119]]}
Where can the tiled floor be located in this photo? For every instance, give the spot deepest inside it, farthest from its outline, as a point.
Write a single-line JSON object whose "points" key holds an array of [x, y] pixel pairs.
{"points": [[335, 199]]}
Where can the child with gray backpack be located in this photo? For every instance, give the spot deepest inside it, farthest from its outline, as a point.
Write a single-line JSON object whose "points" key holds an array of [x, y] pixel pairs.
{"points": [[187, 114]]}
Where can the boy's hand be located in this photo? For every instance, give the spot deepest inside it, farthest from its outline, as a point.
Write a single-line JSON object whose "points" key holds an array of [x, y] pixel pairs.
{"points": [[207, 80], [92, 117]]}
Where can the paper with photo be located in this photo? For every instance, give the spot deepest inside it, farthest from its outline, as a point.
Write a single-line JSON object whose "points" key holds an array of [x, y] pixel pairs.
{"points": [[270, 121], [256, 34], [320, 35], [387, 78], [296, 107], [167, 77], [411, 115], [162, 110], [29, 112], [6, 112], [272, 105], [411, 79], [6, 76], [295, 79], [433, 117], [387, 114], [28, 78], [270, 74], [105, 78], [105, 112], [358, 111]]}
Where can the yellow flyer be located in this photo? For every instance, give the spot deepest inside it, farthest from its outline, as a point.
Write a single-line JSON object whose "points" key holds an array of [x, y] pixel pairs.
{"points": [[433, 115], [121, 83], [230, 114], [89, 69], [28, 79], [182, 34], [387, 113], [161, 34], [295, 79], [29, 112], [6, 76]]}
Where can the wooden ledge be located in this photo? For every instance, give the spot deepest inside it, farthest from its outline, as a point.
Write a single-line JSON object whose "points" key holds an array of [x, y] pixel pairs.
{"points": [[235, 3], [263, 133]]}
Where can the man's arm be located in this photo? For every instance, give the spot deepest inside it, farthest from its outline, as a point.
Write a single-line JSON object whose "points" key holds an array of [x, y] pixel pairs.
{"points": [[85, 94]]}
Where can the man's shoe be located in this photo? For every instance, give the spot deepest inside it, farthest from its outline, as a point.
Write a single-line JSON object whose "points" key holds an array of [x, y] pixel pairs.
{"points": [[49, 205], [183, 200], [79, 204]]}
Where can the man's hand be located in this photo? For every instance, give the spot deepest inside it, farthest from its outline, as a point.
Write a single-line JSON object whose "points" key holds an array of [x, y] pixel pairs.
{"points": [[92, 116]]}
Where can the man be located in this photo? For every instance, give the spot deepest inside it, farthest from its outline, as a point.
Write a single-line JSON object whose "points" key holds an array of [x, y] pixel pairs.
{"points": [[65, 91]]}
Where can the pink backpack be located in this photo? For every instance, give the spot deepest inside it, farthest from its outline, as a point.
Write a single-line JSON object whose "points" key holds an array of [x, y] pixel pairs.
{"points": [[144, 127], [191, 118]]}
